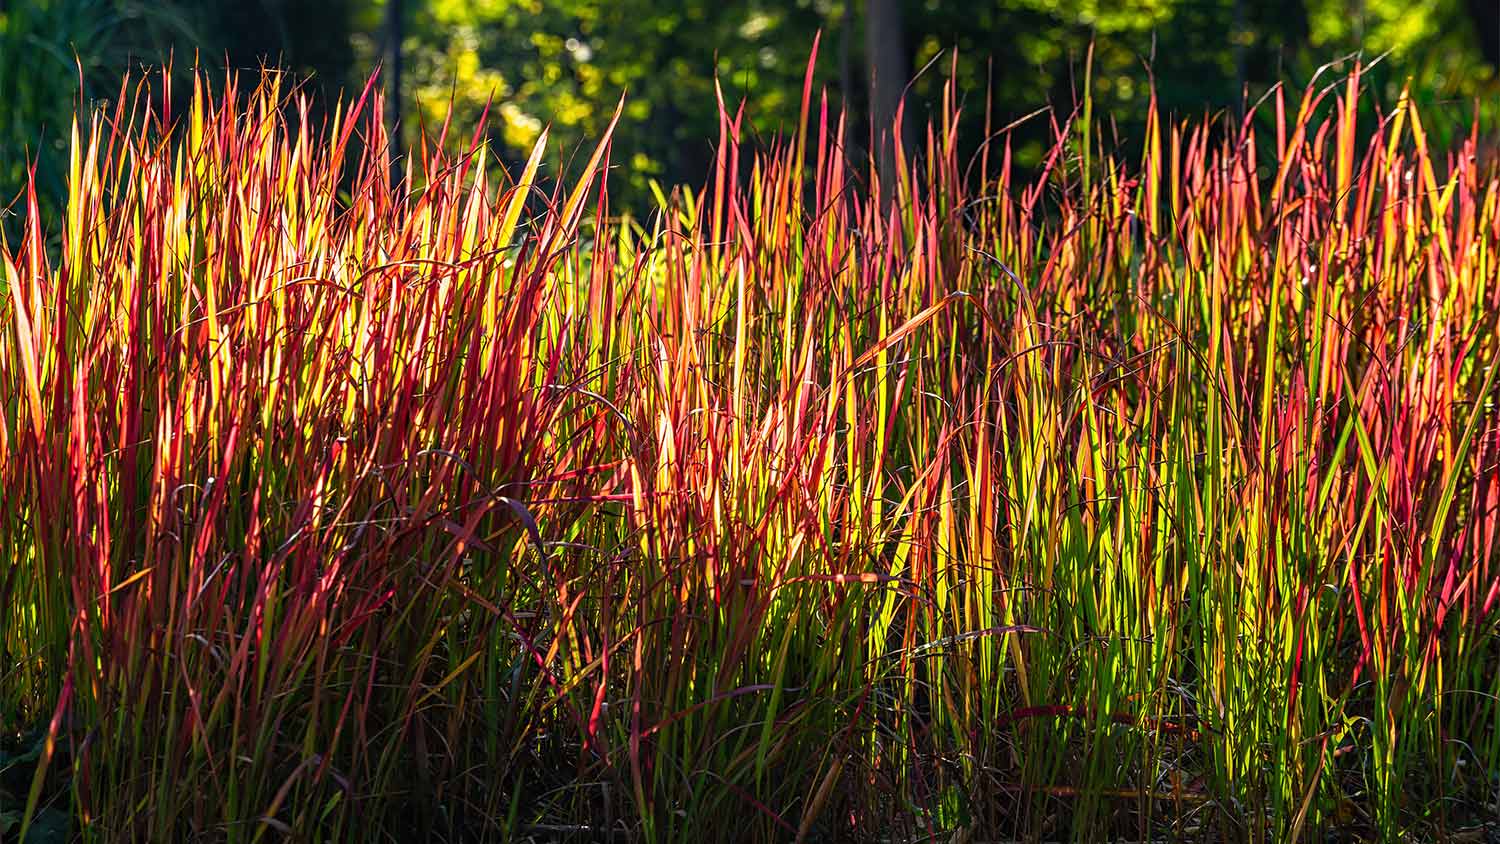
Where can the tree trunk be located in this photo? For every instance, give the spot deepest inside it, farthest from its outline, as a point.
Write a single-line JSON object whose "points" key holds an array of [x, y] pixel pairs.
{"points": [[846, 72], [885, 55], [394, 33]]}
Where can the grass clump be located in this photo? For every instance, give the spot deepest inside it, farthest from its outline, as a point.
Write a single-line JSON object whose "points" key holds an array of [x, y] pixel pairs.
{"points": [[347, 499]]}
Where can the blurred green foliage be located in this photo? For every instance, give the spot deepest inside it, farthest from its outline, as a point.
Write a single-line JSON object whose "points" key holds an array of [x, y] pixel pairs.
{"points": [[51, 53], [564, 63]]}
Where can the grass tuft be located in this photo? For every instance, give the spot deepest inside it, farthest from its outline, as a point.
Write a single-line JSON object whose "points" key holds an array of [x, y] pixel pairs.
{"points": [[351, 497]]}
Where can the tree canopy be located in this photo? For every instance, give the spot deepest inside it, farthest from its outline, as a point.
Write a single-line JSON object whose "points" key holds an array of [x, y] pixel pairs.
{"points": [[563, 64]]}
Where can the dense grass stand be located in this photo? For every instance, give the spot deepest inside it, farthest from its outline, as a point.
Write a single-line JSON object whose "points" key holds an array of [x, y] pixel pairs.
{"points": [[1128, 499]]}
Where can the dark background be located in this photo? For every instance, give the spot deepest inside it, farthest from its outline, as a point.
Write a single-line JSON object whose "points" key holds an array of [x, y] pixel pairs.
{"points": [[564, 63]]}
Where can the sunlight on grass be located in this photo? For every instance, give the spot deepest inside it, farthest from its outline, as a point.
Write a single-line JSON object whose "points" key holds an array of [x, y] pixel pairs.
{"points": [[1118, 499]]}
